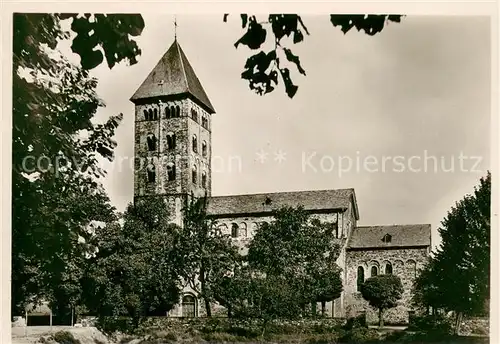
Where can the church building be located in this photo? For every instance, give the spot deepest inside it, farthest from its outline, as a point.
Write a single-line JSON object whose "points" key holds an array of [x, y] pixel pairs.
{"points": [[173, 131]]}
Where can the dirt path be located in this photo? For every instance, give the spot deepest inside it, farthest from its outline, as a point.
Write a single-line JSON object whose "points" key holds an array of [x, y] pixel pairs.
{"points": [[86, 335]]}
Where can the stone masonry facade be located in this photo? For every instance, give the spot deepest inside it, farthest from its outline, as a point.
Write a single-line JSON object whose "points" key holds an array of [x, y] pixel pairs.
{"points": [[405, 262], [173, 151]]}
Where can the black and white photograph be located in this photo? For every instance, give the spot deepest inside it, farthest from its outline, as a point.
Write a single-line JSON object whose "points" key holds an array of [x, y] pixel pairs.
{"points": [[238, 177]]}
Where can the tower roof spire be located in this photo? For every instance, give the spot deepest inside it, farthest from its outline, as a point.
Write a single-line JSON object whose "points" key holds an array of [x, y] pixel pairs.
{"points": [[173, 76], [175, 28]]}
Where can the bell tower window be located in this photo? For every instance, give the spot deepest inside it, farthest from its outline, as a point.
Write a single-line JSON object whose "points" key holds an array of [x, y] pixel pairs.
{"points": [[195, 144], [194, 115], [194, 174], [151, 142], [170, 171], [204, 149], [204, 179], [170, 141], [151, 173]]}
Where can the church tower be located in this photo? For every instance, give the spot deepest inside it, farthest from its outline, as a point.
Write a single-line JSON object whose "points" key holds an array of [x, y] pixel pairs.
{"points": [[172, 133]]}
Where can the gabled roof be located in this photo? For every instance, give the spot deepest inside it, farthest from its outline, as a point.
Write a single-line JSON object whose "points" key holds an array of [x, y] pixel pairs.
{"points": [[366, 237], [268, 202], [173, 75]]}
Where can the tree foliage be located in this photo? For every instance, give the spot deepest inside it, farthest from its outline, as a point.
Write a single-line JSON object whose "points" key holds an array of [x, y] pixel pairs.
{"points": [[382, 292], [264, 69], [462, 262], [132, 272], [297, 254], [202, 254], [55, 150]]}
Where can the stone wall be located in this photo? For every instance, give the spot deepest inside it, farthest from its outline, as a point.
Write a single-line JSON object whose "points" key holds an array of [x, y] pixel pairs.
{"points": [[183, 156], [406, 262]]}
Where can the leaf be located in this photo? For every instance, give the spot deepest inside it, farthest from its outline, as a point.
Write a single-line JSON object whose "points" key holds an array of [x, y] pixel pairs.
{"points": [[254, 37], [290, 88], [369, 23], [295, 59], [244, 20]]}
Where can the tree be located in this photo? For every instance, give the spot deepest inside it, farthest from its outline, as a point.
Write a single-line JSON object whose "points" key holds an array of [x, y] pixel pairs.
{"points": [[301, 254], [462, 261], [382, 292], [56, 145], [263, 68], [202, 254], [132, 272]]}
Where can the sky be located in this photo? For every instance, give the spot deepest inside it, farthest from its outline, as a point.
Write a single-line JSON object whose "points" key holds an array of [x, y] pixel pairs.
{"points": [[403, 117]]}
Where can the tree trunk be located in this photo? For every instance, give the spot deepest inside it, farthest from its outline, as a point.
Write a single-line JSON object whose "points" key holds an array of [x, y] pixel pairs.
{"points": [[323, 308], [203, 291], [380, 318], [313, 309], [207, 307]]}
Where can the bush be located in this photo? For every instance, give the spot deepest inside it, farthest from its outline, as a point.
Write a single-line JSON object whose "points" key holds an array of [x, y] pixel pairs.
{"points": [[360, 335], [355, 322], [222, 337], [431, 324], [65, 337], [111, 325]]}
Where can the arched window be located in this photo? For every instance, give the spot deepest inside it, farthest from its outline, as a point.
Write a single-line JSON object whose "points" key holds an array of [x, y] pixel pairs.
{"points": [[360, 278], [223, 228], [387, 238], [388, 269], [374, 271], [151, 173], [243, 230], [151, 141], [155, 114], [194, 115], [204, 179], [234, 230], [146, 116], [189, 306], [194, 174], [167, 112], [195, 144], [204, 122], [177, 111], [254, 227], [172, 111], [150, 114], [170, 171], [170, 141], [204, 148]]}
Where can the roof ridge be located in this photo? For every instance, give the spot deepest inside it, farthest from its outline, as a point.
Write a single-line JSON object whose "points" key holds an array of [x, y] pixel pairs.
{"points": [[396, 225], [282, 192], [182, 65]]}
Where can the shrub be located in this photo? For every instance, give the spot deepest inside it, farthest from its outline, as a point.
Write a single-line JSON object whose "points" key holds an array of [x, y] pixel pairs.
{"points": [[220, 337], [354, 322], [165, 335], [360, 335], [431, 324], [111, 325], [326, 338], [65, 337]]}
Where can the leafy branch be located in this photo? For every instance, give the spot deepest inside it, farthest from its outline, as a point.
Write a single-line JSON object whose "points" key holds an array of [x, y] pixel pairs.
{"points": [[262, 69]]}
